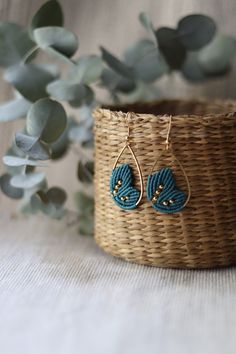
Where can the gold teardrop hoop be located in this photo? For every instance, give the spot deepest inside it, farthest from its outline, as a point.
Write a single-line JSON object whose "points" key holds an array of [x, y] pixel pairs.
{"points": [[168, 150], [127, 146]]}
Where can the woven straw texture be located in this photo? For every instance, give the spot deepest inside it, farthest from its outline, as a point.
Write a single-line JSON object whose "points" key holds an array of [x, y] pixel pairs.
{"points": [[203, 137]]}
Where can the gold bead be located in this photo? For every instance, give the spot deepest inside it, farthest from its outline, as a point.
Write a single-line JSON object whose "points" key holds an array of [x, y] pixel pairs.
{"points": [[171, 201], [127, 198], [116, 188], [161, 186], [119, 182], [114, 192], [157, 192], [123, 199], [154, 199], [165, 203]]}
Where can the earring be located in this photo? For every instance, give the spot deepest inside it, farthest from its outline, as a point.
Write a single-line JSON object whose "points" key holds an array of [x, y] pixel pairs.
{"points": [[161, 186], [122, 189]]}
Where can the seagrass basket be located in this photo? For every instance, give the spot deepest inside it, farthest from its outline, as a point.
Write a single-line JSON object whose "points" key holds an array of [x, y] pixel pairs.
{"points": [[203, 137]]}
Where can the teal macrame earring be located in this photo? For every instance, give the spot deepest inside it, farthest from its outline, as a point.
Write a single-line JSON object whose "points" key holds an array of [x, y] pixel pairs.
{"points": [[162, 190], [122, 189]]}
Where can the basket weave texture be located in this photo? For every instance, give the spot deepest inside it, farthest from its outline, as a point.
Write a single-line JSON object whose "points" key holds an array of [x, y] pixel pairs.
{"points": [[203, 137]]}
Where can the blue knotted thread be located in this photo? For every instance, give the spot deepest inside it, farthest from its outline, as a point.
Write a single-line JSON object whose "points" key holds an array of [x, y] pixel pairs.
{"points": [[173, 199], [126, 190]]}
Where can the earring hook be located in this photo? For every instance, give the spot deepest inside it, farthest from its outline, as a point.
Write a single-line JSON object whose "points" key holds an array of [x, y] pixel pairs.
{"points": [[168, 142], [128, 115]]}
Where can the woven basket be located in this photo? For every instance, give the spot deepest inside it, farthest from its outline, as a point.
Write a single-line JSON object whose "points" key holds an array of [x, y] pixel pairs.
{"points": [[203, 136]]}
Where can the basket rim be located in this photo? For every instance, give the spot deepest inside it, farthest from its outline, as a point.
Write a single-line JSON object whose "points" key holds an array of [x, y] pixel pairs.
{"points": [[119, 112]]}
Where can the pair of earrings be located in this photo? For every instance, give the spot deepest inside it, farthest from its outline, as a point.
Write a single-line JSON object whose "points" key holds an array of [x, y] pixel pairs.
{"points": [[161, 189]]}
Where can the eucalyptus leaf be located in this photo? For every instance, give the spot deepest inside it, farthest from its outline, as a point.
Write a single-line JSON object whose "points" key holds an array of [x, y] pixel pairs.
{"points": [[85, 171], [18, 161], [38, 190], [195, 31], [46, 120], [56, 196], [87, 69], [67, 91], [31, 205], [146, 21], [142, 93], [80, 134], [14, 109], [192, 69], [30, 80], [146, 60], [8, 189], [116, 64], [216, 57], [50, 14], [32, 146], [84, 203], [53, 69], [86, 226], [170, 46], [53, 211], [14, 44], [60, 147], [115, 82], [88, 99], [85, 116], [27, 181], [58, 39]]}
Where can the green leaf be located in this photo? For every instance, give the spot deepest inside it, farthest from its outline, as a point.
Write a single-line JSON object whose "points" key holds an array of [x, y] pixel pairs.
{"points": [[53, 211], [14, 109], [148, 64], [192, 70], [216, 57], [30, 80], [115, 82], [56, 196], [18, 161], [86, 226], [67, 91], [60, 147], [14, 44], [85, 171], [7, 189], [32, 146], [146, 21], [143, 93], [195, 31], [31, 205], [27, 181], [84, 203], [58, 39], [87, 69], [115, 64], [53, 69], [50, 14], [80, 134], [172, 49], [46, 120]]}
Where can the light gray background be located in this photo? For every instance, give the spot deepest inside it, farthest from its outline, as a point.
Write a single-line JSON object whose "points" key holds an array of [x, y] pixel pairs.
{"points": [[58, 292]]}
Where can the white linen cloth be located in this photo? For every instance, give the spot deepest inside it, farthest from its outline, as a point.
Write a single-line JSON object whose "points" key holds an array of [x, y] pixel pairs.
{"points": [[59, 293]]}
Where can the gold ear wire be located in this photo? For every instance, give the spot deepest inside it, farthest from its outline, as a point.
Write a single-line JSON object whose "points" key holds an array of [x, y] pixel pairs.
{"points": [[128, 115], [168, 142]]}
